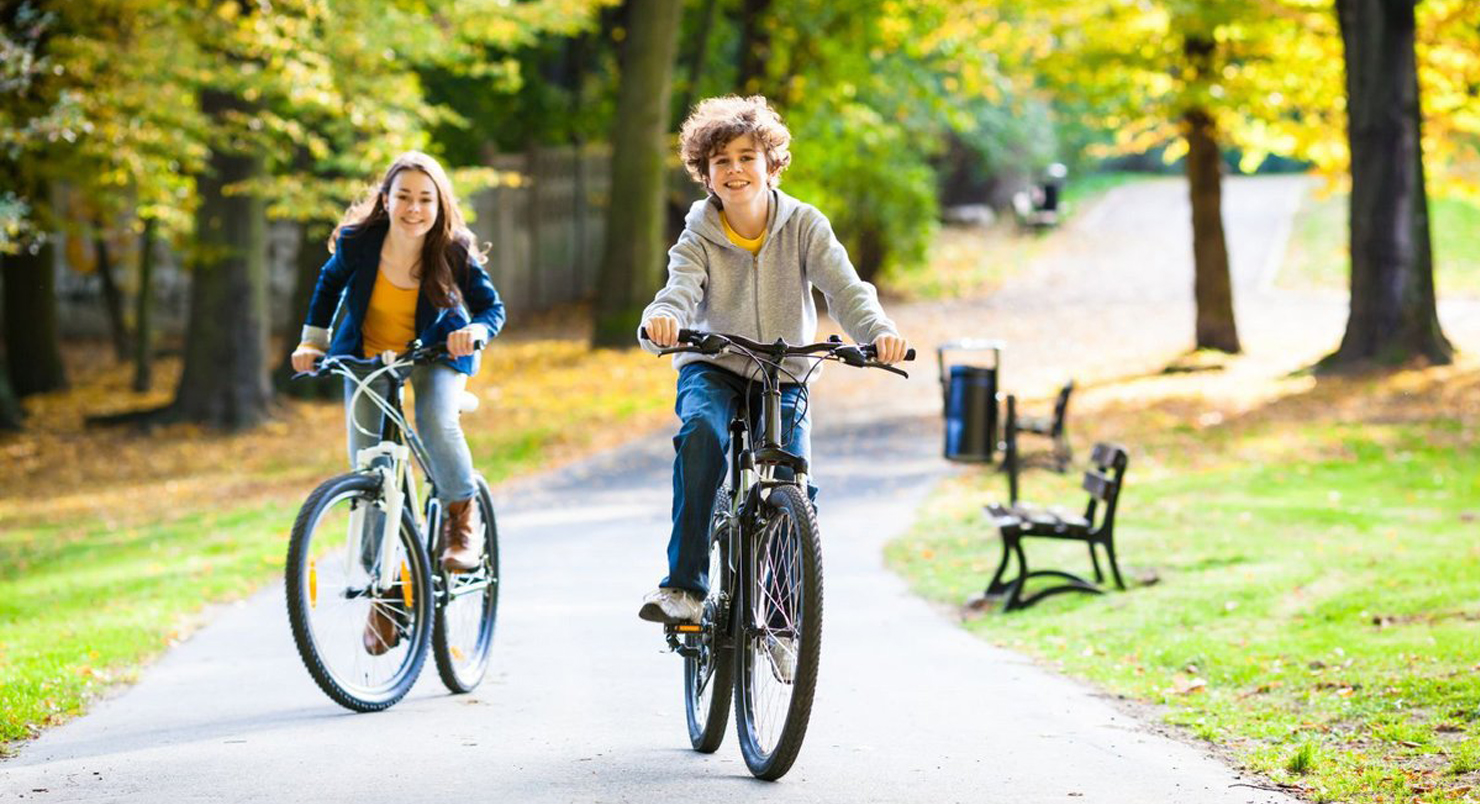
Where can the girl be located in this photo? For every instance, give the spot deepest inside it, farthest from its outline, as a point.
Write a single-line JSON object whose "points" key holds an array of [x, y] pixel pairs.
{"points": [[404, 267]]}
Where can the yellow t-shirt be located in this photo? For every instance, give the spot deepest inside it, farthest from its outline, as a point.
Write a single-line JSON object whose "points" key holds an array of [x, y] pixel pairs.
{"points": [[390, 321], [752, 246]]}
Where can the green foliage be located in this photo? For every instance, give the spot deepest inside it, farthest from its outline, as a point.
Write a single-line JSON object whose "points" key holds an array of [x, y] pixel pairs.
{"points": [[876, 185], [106, 96], [871, 90]]}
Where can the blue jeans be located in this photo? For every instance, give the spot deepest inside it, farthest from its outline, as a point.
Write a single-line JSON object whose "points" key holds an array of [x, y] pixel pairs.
{"points": [[438, 390], [707, 398]]}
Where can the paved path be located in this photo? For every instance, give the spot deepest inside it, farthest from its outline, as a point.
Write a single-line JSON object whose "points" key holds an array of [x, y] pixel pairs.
{"points": [[582, 704]]}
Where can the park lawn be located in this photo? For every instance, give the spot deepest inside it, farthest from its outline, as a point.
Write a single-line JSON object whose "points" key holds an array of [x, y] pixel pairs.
{"points": [[1317, 254], [1314, 605], [115, 543]]}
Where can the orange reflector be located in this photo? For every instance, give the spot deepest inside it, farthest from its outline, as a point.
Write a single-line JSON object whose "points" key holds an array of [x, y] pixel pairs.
{"points": [[313, 584], [457, 653], [407, 593], [688, 629]]}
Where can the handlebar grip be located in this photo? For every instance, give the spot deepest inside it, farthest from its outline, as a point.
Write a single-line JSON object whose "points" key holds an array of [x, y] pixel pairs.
{"points": [[684, 335]]}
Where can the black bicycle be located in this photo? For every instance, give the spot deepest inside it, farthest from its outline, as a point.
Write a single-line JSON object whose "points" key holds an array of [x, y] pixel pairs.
{"points": [[359, 549], [760, 634]]}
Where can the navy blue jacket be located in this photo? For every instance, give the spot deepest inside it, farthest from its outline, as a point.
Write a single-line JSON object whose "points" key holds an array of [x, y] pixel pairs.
{"points": [[348, 278]]}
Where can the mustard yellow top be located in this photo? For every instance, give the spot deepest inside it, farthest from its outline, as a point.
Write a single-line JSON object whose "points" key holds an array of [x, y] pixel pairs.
{"points": [[390, 321], [752, 246]]}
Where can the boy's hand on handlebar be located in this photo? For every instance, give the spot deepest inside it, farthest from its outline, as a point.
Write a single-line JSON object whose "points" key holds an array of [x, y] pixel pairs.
{"points": [[304, 357], [662, 330], [891, 348], [465, 341]]}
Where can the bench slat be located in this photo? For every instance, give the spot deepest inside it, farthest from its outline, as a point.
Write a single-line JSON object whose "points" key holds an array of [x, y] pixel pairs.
{"points": [[1098, 485]]}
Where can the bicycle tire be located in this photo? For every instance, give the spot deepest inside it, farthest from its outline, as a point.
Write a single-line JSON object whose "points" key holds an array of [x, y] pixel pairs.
{"points": [[302, 592], [462, 666], [709, 679], [794, 611]]}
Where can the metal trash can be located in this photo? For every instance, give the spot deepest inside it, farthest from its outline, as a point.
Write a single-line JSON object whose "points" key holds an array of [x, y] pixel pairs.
{"points": [[969, 393]]}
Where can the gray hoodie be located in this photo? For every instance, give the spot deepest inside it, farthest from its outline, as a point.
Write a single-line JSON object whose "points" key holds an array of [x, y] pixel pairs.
{"points": [[717, 286]]}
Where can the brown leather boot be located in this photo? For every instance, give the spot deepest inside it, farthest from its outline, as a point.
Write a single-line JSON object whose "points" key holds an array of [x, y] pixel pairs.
{"points": [[463, 549], [381, 633]]}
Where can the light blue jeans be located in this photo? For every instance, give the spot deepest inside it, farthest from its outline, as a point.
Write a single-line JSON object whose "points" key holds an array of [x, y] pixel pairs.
{"points": [[438, 390]]}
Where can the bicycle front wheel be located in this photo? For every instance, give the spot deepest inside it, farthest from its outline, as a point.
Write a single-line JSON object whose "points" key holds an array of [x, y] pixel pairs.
{"points": [[468, 607], [776, 664], [362, 640]]}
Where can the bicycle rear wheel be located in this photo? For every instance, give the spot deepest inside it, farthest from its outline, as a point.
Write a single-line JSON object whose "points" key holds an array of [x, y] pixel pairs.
{"points": [[777, 659], [468, 608], [333, 591], [709, 677]]}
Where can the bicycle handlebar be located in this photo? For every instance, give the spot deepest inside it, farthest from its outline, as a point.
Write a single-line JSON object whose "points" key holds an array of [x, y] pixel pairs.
{"points": [[864, 356], [417, 355]]}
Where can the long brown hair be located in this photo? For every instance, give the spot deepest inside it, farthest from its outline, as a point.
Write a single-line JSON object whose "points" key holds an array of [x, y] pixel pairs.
{"points": [[447, 247]]}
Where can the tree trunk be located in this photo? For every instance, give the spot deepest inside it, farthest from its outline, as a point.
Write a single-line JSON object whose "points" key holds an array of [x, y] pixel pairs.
{"points": [[872, 251], [112, 298], [144, 310], [755, 46], [633, 252], [1212, 287], [31, 322], [1393, 316], [11, 414], [312, 254], [224, 381], [696, 61]]}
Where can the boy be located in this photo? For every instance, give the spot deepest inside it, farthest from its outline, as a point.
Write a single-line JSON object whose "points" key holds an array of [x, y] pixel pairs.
{"points": [[745, 264]]}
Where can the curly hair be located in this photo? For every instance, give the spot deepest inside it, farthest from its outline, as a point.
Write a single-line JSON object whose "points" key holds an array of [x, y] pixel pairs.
{"points": [[716, 121]]}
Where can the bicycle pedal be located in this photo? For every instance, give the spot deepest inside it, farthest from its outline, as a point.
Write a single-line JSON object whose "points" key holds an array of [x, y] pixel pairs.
{"points": [[684, 628]]}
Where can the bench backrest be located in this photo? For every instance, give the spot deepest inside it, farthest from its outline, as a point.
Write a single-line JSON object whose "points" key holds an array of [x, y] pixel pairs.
{"points": [[1061, 408], [1103, 481]]}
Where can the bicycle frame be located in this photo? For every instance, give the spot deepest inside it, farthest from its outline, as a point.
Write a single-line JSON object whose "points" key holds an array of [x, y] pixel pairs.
{"points": [[749, 469], [390, 458]]}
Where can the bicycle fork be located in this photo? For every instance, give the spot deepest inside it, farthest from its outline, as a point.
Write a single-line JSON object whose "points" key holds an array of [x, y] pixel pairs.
{"points": [[390, 461]]}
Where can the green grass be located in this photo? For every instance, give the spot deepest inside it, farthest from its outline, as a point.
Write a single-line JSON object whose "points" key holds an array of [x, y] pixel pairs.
{"points": [[82, 606], [1329, 605], [1317, 255]]}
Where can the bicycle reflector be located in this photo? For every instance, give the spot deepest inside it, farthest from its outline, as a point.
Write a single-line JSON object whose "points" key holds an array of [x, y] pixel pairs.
{"points": [[313, 584], [408, 594]]}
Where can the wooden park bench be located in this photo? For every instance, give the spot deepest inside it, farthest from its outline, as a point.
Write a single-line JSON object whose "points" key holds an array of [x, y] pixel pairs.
{"points": [[1017, 521], [1051, 427]]}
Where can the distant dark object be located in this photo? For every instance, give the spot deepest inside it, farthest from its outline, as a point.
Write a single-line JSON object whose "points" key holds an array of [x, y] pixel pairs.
{"points": [[970, 396], [1051, 427], [1040, 205], [1017, 521]]}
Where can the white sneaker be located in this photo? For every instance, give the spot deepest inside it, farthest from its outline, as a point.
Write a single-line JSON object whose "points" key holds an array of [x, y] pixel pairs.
{"points": [[671, 606], [783, 651]]}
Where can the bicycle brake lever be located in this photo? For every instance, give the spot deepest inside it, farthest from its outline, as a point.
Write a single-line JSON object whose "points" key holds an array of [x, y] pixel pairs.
{"points": [[889, 368]]}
